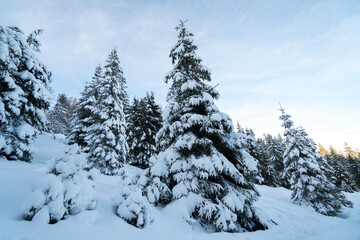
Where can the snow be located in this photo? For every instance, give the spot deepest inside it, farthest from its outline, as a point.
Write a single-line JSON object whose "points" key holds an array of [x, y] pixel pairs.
{"points": [[4, 49], [290, 221], [25, 130], [189, 85]]}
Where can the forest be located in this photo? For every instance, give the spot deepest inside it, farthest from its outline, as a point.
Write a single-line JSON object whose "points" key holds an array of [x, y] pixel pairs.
{"points": [[189, 152]]}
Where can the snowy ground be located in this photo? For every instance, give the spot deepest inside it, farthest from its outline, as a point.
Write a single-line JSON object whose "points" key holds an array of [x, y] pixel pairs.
{"points": [[18, 178]]}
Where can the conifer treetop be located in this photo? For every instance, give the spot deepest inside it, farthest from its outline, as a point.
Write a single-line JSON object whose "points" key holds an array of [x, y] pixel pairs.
{"points": [[287, 122], [188, 72]]}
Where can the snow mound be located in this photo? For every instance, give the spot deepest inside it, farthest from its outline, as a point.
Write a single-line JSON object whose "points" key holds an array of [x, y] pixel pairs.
{"points": [[67, 190]]}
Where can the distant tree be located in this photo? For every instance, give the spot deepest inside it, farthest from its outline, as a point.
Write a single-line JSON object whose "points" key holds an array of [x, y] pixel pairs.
{"points": [[266, 164], [341, 176], [255, 151], [275, 151], [144, 122], [59, 118], [354, 164], [24, 96], [307, 180], [322, 150], [324, 164]]}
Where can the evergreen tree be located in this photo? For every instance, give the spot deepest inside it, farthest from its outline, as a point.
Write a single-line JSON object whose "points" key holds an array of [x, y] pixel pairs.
{"points": [[59, 118], [276, 148], [144, 121], [322, 150], [23, 94], [341, 177], [115, 69], [106, 137], [83, 117], [354, 164], [266, 168], [68, 189], [324, 165], [33, 41], [202, 161], [307, 180], [252, 147]]}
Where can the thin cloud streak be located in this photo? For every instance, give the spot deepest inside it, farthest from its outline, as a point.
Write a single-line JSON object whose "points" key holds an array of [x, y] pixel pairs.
{"points": [[302, 54]]}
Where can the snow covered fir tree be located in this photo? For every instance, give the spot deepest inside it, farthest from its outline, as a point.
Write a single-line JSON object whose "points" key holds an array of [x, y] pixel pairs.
{"points": [[106, 135], [144, 122], [99, 125], [67, 190], [59, 118], [83, 117], [303, 171], [275, 150], [23, 93], [342, 177], [201, 161]]}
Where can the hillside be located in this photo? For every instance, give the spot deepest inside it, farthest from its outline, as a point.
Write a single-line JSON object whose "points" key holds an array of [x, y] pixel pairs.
{"points": [[18, 178]]}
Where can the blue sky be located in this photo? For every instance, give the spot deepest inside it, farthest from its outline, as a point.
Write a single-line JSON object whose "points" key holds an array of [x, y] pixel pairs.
{"points": [[304, 54]]}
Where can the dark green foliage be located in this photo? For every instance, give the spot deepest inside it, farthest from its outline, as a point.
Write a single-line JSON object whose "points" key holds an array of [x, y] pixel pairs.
{"points": [[341, 175], [353, 164], [144, 122]]}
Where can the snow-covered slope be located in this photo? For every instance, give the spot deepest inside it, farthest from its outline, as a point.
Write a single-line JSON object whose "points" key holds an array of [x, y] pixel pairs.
{"points": [[18, 178]]}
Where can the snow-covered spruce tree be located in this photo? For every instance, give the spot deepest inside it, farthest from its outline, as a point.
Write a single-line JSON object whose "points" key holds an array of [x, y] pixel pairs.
{"points": [[276, 149], [266, 169], [202, 162], [254, 149], [342, 177], [23, 94], [302, 169], [113, 69], [353, 164], [130, 203], [106, 137], [83, 117], [67, 190], [144, 122], [59, 118]]}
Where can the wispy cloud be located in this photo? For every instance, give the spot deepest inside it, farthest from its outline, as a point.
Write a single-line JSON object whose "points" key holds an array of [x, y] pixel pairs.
{"points": [[300, 53]]}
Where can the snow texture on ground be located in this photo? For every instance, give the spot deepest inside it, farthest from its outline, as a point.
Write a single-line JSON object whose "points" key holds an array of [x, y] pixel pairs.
{"points": [[17, 180]]}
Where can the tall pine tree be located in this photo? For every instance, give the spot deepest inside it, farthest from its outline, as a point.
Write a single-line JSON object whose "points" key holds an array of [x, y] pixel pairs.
{"points": [[304, 173], [202, 161], [106, 136], [23, 94]]}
